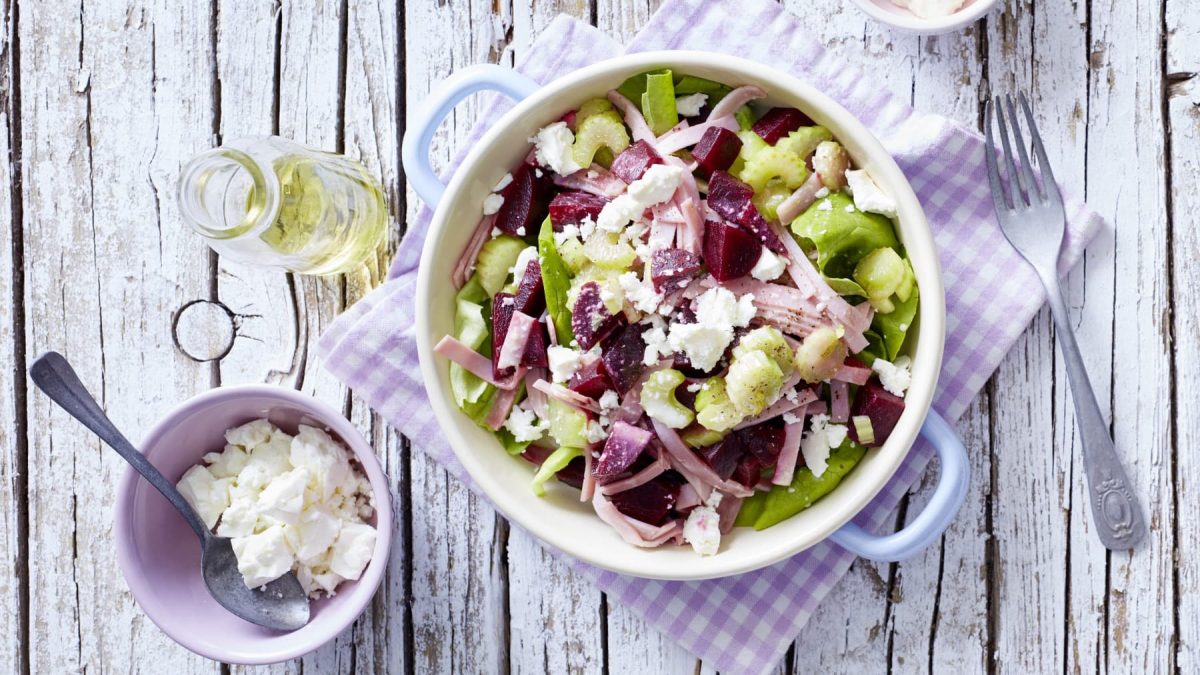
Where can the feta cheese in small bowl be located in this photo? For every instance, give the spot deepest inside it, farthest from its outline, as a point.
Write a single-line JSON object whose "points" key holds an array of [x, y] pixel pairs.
{"points": [[929, 17], [292, 483]]}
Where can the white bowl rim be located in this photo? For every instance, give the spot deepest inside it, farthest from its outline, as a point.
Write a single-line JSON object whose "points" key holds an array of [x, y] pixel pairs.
{"points": [[910, 22], [918, 241]]}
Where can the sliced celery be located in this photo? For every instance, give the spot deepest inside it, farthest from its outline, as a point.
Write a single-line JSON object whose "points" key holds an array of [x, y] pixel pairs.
{"points": [[745, 118], [804, 141], [601, 130], [609, 251], [658, 399], [774, 162], [753, 381], [568, 426]]}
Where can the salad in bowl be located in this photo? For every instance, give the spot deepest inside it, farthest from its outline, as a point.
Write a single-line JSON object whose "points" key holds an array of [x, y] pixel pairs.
{"points": [[687, 306]]}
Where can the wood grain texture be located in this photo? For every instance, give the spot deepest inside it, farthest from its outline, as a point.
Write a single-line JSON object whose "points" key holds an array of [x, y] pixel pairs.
{"points": [[1183, 127], [101, 102]]}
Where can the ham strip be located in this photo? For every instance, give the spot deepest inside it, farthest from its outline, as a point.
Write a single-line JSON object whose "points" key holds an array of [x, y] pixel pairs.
{"points": [[785, 466], [800, 200], [674, 141], [809, 281], [520, 327], [535, 399], [687, 498], [734, 100], [839, 401], [501, 405], [650, 532], [691, 235], [727, 512], [477, 364], [596, 180], [853, 374], [462, 268], [568, 396], [695, 470], [588, 489], [639, 130], [621, 523], [652, 471], [789, 309]]}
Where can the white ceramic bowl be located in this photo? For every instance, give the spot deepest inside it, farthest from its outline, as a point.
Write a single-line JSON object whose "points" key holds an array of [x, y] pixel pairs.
{"points": [[560, 519], [899, 17]]}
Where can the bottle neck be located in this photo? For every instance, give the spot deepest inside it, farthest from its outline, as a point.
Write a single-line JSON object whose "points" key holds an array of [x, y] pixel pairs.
{"points": [[224, 193]]}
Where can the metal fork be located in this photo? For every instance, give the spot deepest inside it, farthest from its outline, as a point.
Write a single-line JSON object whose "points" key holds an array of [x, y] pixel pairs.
{"points": [[1032, 218]]}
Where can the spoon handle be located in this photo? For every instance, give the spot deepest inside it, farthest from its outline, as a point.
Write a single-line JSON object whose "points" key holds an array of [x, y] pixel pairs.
{"points": [[53, 375]]}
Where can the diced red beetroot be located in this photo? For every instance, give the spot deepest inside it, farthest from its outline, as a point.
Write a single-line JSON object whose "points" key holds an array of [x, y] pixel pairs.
{"points": [[728, 196], [569, 118], [717, 149], [634, 160], [503, 307], [590, 320], [572, 473], [536, 454], [591, 380], [535, 350], [524, 204], [571, 208], [649, 502], [778, 122], [729, 252], [672, 268], [622, 356], [764, 441], [883, 407], [624, 445], [752, 220], [530, 297], [748, 471], [725, 455], [686, 398]]}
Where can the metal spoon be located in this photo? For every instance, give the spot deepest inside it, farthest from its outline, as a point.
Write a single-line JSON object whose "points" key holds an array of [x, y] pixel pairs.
{"points": [[280, 604]]}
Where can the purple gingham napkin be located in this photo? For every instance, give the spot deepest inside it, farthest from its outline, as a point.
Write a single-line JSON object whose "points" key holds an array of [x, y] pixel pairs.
{"points": [[744, 624]]}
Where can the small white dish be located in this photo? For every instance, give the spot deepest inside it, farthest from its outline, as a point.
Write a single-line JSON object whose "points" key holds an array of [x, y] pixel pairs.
{"points": [[898, 17]]}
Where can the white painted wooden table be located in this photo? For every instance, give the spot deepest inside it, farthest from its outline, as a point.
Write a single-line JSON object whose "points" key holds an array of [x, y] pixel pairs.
{"points": [[102, 100]]}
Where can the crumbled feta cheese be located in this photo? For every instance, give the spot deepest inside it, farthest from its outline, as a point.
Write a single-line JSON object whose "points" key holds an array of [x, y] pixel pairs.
{"points": [[689, 106], [769, 266], [492, 204], [791, 418], [718, 312], [503, 182], [702, 529], [867, 194], [817, 443], [553, 147], [526, 256], [640, 294], [895, 377], [849, 208], [656, 345], [564, 361], [287, 503], [521, 231], [609, 400], [656, 185], [496, 232], [524, 425], [596, 430], [822, 193], [695, 387], [538, 173], [825, 205], [586, 227], [792, 394]]}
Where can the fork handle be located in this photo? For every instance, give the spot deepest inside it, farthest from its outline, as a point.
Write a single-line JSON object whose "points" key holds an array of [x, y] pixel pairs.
{"points": [[1115, 510]]}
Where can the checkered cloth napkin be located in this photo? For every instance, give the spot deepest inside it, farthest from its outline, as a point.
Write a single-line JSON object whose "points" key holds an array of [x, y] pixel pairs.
{"points": [[744, 624]]}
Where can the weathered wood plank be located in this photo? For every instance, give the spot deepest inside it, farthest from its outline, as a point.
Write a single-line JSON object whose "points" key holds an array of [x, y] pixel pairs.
{"points": [[1183, 126], [13, 578], [458, 570], [113, 96], [1126, 103]]}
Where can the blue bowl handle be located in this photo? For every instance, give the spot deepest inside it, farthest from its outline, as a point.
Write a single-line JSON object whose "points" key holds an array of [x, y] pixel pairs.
{"points": [[418, 138], [942, 508]]}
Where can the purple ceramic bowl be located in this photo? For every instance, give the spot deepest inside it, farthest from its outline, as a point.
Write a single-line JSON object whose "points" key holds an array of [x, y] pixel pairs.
{"points": [[160, 556]]}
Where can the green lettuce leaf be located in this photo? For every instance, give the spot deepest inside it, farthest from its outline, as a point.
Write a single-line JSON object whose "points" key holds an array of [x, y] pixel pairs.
{"points": [[556, 281], [842, 238], [894, 326], [765, 509], [556, 462]]}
